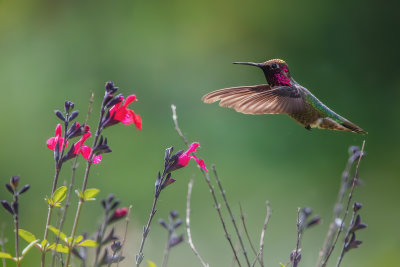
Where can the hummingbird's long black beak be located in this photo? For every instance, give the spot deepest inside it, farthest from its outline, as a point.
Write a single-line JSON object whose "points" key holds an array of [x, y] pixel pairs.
{"points": [[249, 63]]}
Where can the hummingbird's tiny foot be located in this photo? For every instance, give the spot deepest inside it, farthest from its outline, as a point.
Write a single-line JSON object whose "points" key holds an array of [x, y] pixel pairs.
{"points": [[308, 127]]}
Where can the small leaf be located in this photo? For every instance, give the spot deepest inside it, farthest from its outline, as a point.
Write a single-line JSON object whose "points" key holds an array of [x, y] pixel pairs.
{"points": [[61, 248], [27, 236], [51, 246], [88, 243], [79, 194], [151, 264], [78, 239], [58, 233], [90, 194], [5, 255], [49, 201], [28, 247], [43, 244], [281, 265], [60, 194]]}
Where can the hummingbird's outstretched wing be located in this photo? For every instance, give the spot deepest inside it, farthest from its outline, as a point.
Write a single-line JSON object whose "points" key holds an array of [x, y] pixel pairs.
{"points": [[259, 99]]}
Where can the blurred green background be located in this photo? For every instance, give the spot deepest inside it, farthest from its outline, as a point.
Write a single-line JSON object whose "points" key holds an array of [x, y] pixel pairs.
{"points": [[174, 52]]}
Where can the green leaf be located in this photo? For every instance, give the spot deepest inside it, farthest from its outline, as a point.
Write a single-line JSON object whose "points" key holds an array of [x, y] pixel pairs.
{"points": [[61, 248], [5, 255], [152, 264], [51, 246], [28, 247], [88, 243], [49, 201], [281, 265], [27, 236], [90, 194], [59, 195], [78, 239], [58, 233], [43, 244]]}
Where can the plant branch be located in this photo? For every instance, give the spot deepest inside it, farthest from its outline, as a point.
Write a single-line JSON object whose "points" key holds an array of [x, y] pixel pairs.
{"points": [[222, 191], [189, 234], [338, 207], [211, 188], [266, 221], [127, 219], [353, 186]]}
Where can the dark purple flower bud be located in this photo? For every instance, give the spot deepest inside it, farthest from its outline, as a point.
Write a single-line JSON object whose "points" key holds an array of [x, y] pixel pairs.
{"points": [[115, 204], [59, 115], [57, 151], [68, 106], [73, 115], [163, 223], [314, 221], [114, 101], [307, 211], [24, 189], [168, 152], [7, 206], [116, 246], [175, 240], [173, 214], [14, 181], [177, 223], [110, 198], [102, 147], [110, 87], [9, 188], [357, 206], [353, 150]]}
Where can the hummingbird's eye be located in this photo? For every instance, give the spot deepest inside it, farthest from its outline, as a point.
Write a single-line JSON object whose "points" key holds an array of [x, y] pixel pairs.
{"points": [[274, 66]]}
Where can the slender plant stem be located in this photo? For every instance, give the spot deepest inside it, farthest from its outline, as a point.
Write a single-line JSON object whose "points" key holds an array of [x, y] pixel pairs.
{"points": [[127, 219], [299, 230], [266, 221], [222, 191], [16, 225], [99, 240], [72, 181], [146, 229], [353, 186], [211, 188], [346, 237], [85, 180], [246, 231], [78, 212], [58, 166], [189, 234], [337, 209], [167, 249]]}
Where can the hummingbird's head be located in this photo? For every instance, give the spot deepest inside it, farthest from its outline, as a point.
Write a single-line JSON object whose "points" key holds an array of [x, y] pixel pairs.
{"points": [[276, 71]]}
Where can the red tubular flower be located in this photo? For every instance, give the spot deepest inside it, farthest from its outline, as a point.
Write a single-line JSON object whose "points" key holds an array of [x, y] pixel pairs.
{"points": [[85, 150], [120, 213], [120, 113], [51, 142], [185, 157]]}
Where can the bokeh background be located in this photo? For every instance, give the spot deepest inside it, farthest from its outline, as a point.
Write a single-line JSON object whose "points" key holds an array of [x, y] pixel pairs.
{"points": [[174, 52]]}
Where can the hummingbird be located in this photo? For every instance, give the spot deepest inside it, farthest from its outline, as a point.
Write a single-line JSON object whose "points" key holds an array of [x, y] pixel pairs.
{"points": [[282, 95]]}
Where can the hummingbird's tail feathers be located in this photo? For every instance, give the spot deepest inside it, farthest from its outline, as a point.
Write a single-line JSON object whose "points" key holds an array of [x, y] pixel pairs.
{"points": [[229, 97], [353, 128], [344, 125]]}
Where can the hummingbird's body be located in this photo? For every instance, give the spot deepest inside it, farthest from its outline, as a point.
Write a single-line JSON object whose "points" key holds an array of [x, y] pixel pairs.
{"points": [[284, 95]]}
